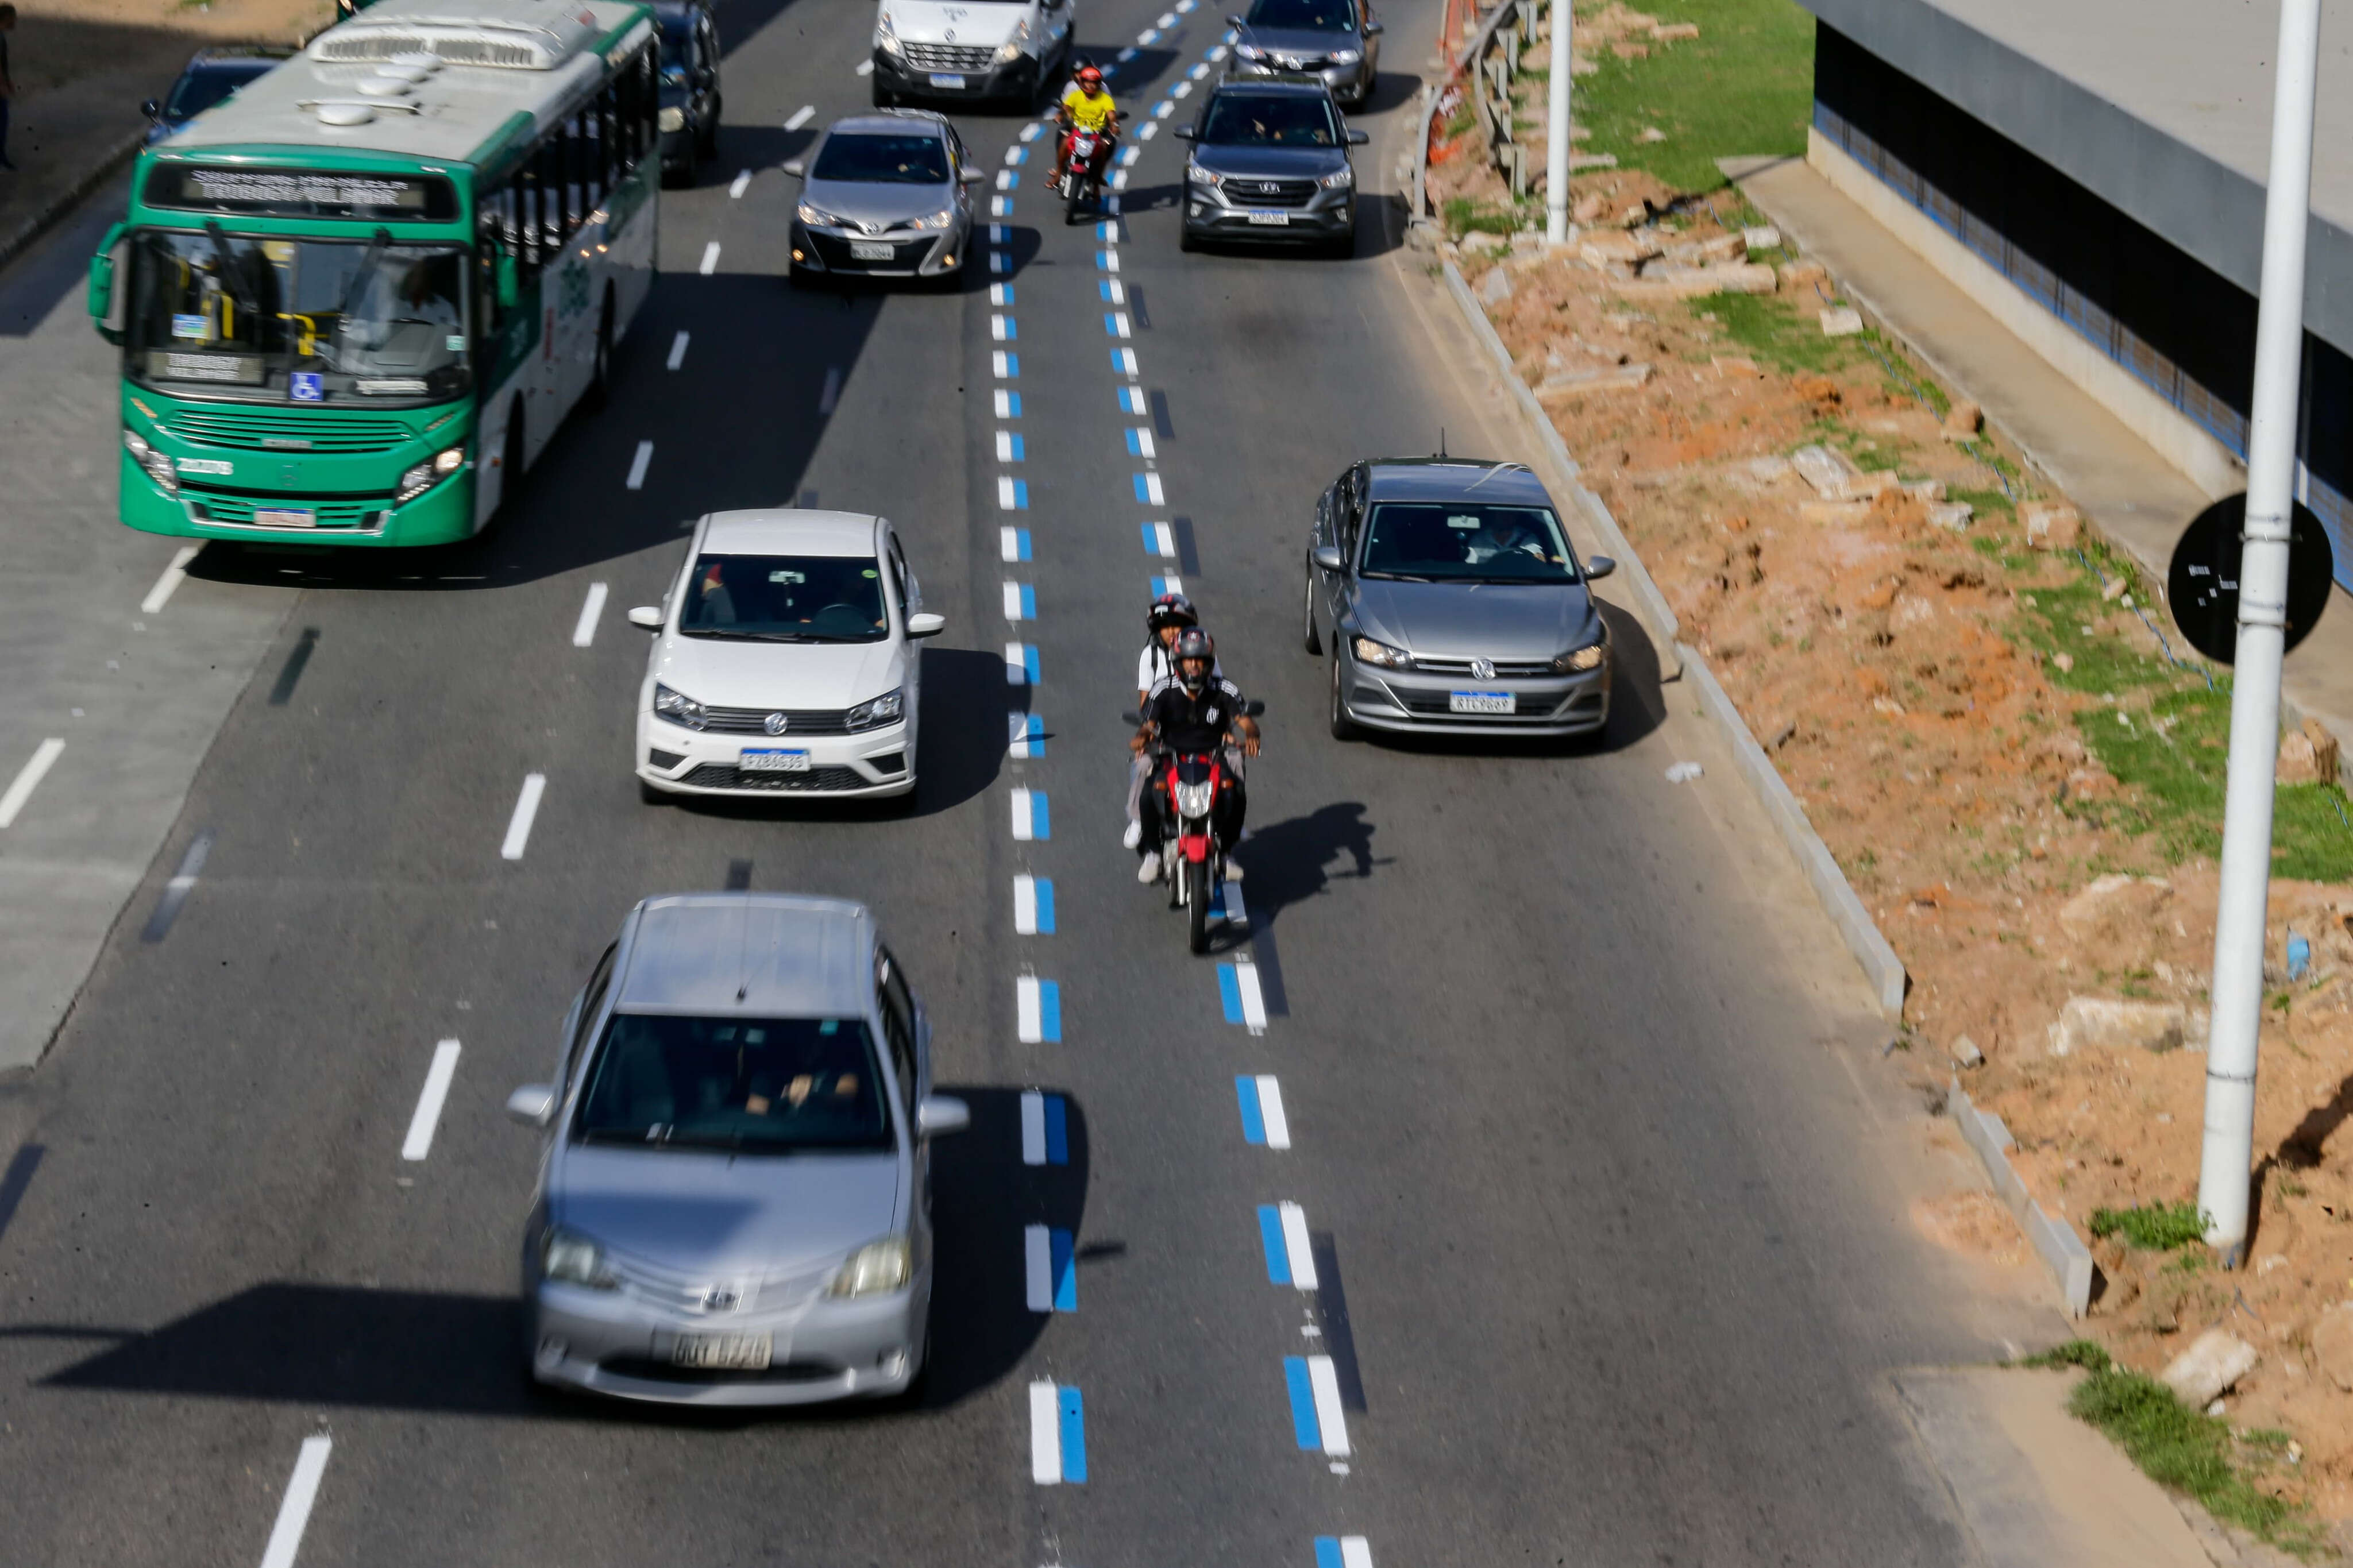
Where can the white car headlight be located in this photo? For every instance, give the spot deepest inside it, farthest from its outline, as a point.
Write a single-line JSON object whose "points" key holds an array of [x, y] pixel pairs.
{"points": [[157, 466], [678, 708], [673, 118], [876, 1269], [422, 477], [886, 708], [1193, 799], [1368, 651], [572, 1259]]}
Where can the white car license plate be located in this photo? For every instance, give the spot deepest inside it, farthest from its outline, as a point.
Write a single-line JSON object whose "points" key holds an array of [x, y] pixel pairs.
{"points": [[284, 517], [953, 83], [734, 1352], [1482, 702], [859, 250], [774, 762], [1271, 220]]}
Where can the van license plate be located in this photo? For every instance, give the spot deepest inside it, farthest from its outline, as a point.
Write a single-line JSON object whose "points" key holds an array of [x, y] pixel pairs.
{"points": [[734, 1352], [1271, 220], [861, 251], [774, 762], [953, 83], [1482, 702]]}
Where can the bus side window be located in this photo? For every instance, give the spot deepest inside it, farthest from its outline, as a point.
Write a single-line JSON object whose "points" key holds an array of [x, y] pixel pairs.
{"points": [[524, 215], [548, 165], [586, 187]]}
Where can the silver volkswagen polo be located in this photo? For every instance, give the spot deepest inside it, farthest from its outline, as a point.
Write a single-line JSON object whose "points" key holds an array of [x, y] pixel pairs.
{"points": [[734, 1207]]}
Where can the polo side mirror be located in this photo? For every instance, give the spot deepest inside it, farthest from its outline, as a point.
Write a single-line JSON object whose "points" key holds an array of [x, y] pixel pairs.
{"points": [[1329, 558], [923, 624], [1358, 138], [1599, 566], [941, 1114], [796, 167], [533, 1104], [647, 617]]}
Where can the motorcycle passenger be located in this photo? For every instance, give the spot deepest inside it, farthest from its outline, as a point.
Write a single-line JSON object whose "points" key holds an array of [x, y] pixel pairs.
{"points": [[1195, 713], [1170, 614], [1086, 105]]}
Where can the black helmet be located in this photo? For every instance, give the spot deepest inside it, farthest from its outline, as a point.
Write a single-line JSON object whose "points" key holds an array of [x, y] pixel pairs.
{"points": [[1170, 610], [1193, 647]]}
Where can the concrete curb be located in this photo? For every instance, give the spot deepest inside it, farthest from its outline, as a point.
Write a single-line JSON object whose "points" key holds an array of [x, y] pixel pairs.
{"points": [[1664, 626], [21, 238], [2062, 1252], [1880, 965]]}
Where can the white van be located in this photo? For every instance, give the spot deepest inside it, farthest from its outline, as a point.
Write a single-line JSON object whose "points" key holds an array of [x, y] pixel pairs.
{"points": [[967, 49]]}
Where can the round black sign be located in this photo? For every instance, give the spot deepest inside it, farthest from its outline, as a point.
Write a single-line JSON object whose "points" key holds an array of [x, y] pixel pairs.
{"points": [[2204, 586]]}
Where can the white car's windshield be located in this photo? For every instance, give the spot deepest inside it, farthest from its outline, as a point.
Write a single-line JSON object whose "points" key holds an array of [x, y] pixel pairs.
{"points": [[786, 598]]}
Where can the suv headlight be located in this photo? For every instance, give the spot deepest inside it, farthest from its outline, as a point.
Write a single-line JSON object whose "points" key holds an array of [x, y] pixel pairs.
{"points": [[876, 1269], [158, 466], [1250, 51], [1347, 57], [571, 1258], [1200, 177], [1341, 180], [886, 708], [1368, 651], [672, 117], [424, 476], [886, 37], [1575, 661], [1193, 799], [678, 708]]}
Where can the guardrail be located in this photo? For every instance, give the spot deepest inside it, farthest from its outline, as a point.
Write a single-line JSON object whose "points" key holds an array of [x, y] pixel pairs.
{"points": [[1484, 70]]}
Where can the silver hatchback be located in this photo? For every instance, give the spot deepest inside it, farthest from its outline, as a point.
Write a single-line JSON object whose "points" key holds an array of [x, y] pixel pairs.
{"points": [[734, 1207], [887, 194]]}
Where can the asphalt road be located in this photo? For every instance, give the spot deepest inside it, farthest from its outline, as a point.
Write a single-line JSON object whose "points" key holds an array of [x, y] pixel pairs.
{"points": [[1601, 1273]]}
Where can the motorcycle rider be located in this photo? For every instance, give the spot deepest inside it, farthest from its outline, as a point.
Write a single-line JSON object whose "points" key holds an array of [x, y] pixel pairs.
{"points": [[1086, 105], [1170, 613], [1193, 713]]}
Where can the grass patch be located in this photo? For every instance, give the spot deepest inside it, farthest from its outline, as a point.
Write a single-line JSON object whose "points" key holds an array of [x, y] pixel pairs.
{"points": [[1989, 504], [1774, 333], [2152, 1227], [1464, 216], [1745, 85], [2179, 1448]]}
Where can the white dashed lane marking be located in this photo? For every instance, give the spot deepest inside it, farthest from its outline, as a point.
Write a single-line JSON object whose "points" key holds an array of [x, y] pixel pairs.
{"points": [[526, 810], [803, 115], [28, 779], [294, 1512], [428, 1104], [638, 464], [710, 258], [678, 350], [169, 583], [583, 631]]}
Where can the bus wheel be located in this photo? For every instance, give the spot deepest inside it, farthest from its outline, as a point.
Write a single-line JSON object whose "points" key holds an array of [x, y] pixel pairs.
{"points": [[601, 374]]}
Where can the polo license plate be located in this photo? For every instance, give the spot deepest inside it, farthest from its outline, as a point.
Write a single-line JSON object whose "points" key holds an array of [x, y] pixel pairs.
{"points": [[952, 82], [1271, 220], [769, 761], [731, 1352], [861, 250], [284, 517], [1482, 702]]}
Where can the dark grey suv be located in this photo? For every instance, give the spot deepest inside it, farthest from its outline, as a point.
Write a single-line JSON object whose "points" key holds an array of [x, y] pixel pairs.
{"points": [[1451, 603], [1336, 40], [1269, 162]]}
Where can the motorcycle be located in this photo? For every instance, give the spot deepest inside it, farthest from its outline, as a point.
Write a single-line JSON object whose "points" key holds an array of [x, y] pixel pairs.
{"points": [[1191, 783], [1085, 155]]}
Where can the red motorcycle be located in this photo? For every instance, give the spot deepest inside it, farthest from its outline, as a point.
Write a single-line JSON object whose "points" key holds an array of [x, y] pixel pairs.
{"points": [[1192, 784], [1085, 155]]}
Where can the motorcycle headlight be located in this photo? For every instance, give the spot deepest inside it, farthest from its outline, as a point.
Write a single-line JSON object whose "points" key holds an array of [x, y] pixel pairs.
{"points": [[424, 476], [1200, 177], [1368, 651], [1193, 799], [1250, 51], [875, 1270], [886, 708], [157, 466], [1340, 181], [571, 1258], [1347, 57], [678, 708], [672, 118], [1577, 660], [816, 216], [886, 37]]}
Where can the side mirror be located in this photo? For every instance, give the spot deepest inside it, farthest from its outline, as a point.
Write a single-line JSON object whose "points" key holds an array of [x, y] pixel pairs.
{"points": [[510, 283], [1183, 133], [941, 1114], [1599, 566], [152, 108], [1328, 557], [1374, 29], [1233, 19], [973, 176], [647, 617], [1253, 707], [102, 280], [797, 167], [1358, 138], [533, 1104], [925, 624]]}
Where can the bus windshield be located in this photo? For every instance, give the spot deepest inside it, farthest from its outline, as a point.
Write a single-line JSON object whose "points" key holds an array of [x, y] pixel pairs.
{"points": [[306, 320]]}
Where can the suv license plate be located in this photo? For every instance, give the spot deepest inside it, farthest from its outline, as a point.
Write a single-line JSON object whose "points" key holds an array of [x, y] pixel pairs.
{"points": [[734, 1352], [953, 83], [773, 761], [861, 250], [284, 517], [1271, 220], [1482, 702]]}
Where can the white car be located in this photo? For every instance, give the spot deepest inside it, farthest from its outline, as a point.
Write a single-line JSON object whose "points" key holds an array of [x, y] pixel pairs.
{"points": [[784, 661]]}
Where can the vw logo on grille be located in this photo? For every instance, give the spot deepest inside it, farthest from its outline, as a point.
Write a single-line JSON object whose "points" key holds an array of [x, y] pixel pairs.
{"points": [[774, 724], [720, 1298], [1483, 670]]}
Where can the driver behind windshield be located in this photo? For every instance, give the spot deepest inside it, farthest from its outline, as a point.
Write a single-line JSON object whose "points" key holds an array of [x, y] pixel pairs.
{"points": [[779, 598]]}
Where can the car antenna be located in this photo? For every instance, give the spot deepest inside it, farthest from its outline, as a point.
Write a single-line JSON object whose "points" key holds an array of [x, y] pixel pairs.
{"points": [[1442, 440]]}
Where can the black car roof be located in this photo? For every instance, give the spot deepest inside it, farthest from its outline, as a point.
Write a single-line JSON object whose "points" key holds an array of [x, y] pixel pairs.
{"points": [[1444, 479]]}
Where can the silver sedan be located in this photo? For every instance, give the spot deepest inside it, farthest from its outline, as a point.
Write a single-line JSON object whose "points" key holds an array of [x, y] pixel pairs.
{"points": [[887, 194], [734, 1207]]}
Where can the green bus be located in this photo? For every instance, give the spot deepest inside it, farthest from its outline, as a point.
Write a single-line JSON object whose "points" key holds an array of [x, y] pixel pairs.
{"points": [[355, 301]]}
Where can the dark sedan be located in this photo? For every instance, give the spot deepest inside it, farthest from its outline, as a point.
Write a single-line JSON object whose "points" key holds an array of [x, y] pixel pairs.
{"points": [[1269, 162], [1336, 40], [213, 76], [688, 111], [1452, 604]]}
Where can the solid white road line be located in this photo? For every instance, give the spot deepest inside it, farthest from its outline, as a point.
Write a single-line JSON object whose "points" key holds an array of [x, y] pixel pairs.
{"points": [[1033, 1126], [1045, 1436], [710, 258], [742, 182], [678, 350], [1270, 1112], [526, 808], [28, 779], [428, 1104], [294, 1512], [801, 117], [1294, 1243], [1038, 1268], [637, 464], [169, 583], [584, 632], [1329, 1415]]}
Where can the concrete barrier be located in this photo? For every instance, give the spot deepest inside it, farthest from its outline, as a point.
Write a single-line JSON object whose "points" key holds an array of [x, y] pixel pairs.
{"points": [[2054, 1241]]}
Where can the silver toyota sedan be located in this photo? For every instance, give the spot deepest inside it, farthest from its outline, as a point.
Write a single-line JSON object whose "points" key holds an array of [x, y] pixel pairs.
{"points": [[887, 194], [1452, 604], [734, 1207]]}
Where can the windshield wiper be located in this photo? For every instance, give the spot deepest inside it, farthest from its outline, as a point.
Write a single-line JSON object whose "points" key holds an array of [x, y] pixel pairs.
{"points": [[734, 636], [1396, 577]]}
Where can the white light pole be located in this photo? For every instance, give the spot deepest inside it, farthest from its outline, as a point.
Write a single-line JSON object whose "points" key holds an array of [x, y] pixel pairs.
{"points": [[1557, 148], [2225, 1167]]}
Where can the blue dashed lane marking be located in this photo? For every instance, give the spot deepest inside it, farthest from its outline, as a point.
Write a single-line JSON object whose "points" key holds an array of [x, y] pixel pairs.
{"points": [[1050, 1011], [1058, 1130], [1064, 1264], [1013, 446], [1123, 362], [1161, 587], [1045, 907], [1008, 367], [1303, 1427], [1269, 1236], [1012, 405], [1030, 661], [1045, 1129], [1074, 1434], [1230, 991], [1131, 400]]}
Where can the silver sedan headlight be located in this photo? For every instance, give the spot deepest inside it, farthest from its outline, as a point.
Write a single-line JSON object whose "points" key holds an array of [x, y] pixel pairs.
{"points": [[678, 708], [876, 1269], [816, 216], [1250, 51], [1577, 661], [573, 1259], [887, 709], [1368, 651], [940, 219]]}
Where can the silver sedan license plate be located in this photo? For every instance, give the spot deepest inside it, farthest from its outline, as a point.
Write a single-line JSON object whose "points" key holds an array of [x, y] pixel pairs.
{"points": [[774, 762], [726, 1353], [1482, 702], [859, 250], [1271, 220]]}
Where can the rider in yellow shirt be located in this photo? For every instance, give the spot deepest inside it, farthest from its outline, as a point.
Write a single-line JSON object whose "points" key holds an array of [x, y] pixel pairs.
{"points": [[1086, 105]]}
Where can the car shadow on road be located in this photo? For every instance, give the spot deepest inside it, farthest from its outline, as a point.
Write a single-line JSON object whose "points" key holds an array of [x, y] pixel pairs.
{"points": [[319, 1346]]}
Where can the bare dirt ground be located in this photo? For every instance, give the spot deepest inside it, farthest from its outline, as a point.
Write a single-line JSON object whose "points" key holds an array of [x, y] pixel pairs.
{"points": [[1924, 682]]}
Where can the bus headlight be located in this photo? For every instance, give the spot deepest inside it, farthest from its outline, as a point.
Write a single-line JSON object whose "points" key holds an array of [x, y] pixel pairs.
{"points": [[424, 476], [671, 117], [158, 466]]}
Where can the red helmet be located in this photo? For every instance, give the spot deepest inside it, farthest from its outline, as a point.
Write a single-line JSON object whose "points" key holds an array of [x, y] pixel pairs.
{"points": [[1089, 76]]}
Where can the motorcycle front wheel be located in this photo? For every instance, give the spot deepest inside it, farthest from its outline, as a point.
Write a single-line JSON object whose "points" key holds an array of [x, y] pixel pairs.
{"points": [[1197, 904]]}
